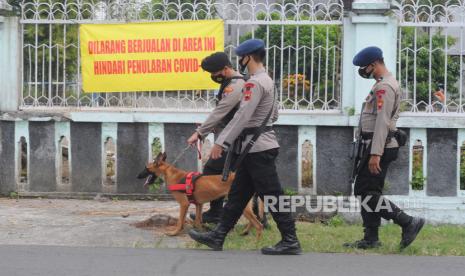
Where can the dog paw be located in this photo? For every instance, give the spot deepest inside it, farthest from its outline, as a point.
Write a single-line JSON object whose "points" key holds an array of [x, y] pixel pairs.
{"points": [[172, 233], [244, 233]]}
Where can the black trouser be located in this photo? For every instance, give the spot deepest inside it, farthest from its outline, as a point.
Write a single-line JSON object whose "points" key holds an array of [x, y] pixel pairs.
{"points": [[256, 174], [370, 187], [214, 167]]}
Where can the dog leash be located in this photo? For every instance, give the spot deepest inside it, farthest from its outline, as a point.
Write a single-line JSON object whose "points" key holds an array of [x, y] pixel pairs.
{"points": [[198, 148], [181, 154]]}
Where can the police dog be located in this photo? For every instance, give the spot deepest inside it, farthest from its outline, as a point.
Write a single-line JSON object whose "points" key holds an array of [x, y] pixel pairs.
{"points": [[207, 188]]}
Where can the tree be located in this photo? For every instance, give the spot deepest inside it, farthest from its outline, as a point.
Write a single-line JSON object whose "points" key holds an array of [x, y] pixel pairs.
{"points": [[322, 48], [438, 62]]}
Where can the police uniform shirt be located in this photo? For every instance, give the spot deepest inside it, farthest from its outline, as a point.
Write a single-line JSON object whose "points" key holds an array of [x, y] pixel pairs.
{"points": [[231, 98], [381, 113], [256, 102]]}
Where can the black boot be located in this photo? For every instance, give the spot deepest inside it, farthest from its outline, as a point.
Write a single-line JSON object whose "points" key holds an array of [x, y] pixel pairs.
{"points": [[370, 240], [213, 239], [410, 231], [289, 245], [213, 215]]}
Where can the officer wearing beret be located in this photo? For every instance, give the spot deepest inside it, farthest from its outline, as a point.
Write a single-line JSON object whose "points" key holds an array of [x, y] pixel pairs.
{"points": [[228, 99], [257, 172], [377, 129]]}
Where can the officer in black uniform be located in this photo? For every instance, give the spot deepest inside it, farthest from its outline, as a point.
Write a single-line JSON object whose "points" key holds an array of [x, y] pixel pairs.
{"points": [[228, 99], [378, 131], [257, 172]]}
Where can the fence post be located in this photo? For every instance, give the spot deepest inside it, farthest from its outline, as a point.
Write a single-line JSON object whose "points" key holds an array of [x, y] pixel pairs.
{"points": [[10, 58], [366, 25]]}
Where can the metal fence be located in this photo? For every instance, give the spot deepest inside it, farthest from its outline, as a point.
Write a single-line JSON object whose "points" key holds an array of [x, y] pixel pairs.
{"points": [[303, 41], [431, 55]]}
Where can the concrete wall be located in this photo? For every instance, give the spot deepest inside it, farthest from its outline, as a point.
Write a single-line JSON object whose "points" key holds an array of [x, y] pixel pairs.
{"points": [[86, 157], [442, 162], [7, 157], [42, 172], [331, 162], [333, 146]]}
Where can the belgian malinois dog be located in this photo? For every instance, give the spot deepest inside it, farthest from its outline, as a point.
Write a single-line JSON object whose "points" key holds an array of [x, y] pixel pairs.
{"points": [[207, 188]]}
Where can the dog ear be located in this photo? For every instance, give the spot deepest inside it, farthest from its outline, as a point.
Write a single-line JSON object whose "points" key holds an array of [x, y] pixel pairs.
{"points": [[164, 156], [158, 158]]}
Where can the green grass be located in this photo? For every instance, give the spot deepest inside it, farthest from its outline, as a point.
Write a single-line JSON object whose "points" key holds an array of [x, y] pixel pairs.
{"points": [[317, 237]]}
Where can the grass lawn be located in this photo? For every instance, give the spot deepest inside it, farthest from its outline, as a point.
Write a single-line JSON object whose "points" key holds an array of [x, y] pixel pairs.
{"points": [[317, 237]]}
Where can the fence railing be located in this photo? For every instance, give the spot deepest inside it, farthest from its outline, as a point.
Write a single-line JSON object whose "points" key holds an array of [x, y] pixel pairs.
{"points": [[303, 41], [431, 55]]}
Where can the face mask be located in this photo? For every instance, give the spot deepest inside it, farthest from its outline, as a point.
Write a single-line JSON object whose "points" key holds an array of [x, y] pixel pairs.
{"points": [[218, 78], [364, 74], [243, 67]]}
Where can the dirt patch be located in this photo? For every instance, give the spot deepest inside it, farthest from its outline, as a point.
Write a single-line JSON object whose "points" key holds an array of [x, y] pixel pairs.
{"points": [[156, 221]]}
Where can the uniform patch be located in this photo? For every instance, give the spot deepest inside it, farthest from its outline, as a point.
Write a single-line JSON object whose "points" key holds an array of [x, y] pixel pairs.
{"points": [[228, 89], [248, 92], [249, 85], [247, 95], [379, 98]]}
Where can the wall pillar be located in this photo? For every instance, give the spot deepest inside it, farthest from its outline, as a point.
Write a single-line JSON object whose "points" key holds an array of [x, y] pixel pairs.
{"points": [[367, 25], [10, 56]]}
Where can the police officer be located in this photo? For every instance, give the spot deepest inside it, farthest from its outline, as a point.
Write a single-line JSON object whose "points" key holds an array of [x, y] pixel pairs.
{"points": [[228, 99], [378, 128], [257, 172]]}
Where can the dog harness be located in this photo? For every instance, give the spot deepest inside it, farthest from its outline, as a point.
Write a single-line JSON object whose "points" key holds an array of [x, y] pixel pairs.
{"points": [[188, 186]]}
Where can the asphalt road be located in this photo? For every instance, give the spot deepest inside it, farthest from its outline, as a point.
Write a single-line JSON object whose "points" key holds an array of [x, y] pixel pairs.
{"points": [[70, 261]]}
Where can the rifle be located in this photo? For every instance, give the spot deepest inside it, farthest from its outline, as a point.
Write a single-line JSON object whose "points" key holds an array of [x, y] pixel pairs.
{"points": [[358, 153], [228, 161]]}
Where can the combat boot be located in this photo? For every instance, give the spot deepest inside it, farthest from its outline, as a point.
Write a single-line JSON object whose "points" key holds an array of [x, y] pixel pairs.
{"points": [[213, 239], [289, 245], [410, 231], [370, 240]]}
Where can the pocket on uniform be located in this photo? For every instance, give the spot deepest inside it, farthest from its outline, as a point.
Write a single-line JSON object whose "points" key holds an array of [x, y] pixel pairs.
{"points": [[272, 153]]}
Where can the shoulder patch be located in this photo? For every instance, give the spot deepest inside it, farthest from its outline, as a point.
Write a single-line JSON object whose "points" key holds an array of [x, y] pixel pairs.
{"points": [[379, 98], [247, 95], [228, 89], [249, 85], [248, 91]]}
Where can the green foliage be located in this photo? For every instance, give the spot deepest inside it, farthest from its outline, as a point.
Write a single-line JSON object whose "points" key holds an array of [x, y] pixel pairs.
{"points": [[315, 44], [156, 149], [418, 180], [290, 192], [62, 37], [462, 168], [438, 59], [336, 221], [350, 111]]}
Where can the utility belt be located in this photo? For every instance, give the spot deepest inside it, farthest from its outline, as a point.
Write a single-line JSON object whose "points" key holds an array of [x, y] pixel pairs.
{"points": [[399, 135], [369, 135], [237, 145]]}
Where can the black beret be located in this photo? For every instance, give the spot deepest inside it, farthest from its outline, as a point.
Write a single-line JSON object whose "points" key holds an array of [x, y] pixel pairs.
{"points": [[215, 62], [367, 56]]}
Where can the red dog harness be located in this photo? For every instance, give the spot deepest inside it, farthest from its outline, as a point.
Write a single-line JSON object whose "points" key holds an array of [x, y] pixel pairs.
{"points": [[187, 187]]}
